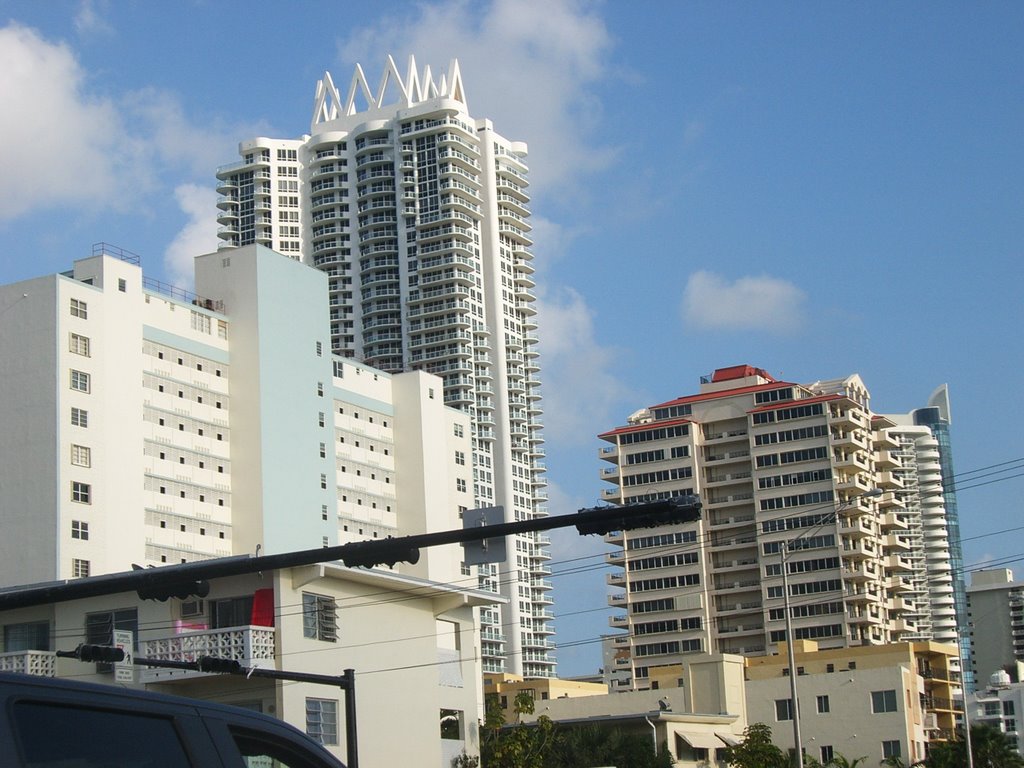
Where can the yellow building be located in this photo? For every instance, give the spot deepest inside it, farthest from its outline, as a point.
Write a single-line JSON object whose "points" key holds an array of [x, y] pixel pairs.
{"points": [[878, 701], [506, 687]]}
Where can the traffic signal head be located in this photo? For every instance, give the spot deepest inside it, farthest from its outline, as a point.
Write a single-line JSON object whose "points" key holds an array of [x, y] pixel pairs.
{"points": [[104, 653], [366, 554], [161, 589]]}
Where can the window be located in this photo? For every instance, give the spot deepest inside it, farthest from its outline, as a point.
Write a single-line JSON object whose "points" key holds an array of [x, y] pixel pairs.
{"points": [[458, 430], [460, 485], [81, 492], [79, 417], [827, 753], [823, 705], [79, 309], [891, 748], [783, 709], [122, 284], [89, 736], [231, 612], [79, 530], [79, 345], [883, 701], [29, 636], [319, 617], [451, 724], [460, 458], [322, 720], [80, 569], [81, 456], [79, 380], [319, 349]]}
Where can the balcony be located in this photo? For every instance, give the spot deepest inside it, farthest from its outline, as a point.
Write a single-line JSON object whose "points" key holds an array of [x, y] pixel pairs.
{"points": [[247, 645], [39, 663]]}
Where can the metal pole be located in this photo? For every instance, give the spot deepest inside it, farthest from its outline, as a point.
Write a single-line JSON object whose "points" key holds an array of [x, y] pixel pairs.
{"points": [[350, 718], [794, 703], [963, 693]]}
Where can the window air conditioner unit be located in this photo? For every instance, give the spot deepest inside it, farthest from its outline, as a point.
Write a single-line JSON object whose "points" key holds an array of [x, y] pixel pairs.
{"points": [[191, 609]]}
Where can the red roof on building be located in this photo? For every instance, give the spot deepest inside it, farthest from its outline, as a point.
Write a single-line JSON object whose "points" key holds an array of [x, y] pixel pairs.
{"points": [[724, 393], [642, 427], [790, 403], [739, 372]]}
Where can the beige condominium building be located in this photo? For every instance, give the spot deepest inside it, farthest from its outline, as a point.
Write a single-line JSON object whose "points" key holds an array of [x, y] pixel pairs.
{"points": [[801, 475]]}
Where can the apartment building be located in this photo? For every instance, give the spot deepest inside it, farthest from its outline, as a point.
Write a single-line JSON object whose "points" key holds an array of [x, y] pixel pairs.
{"points": [[802, 476], [996, 616], [418, 213], [997, 704], [875, 702], [319, 619], [146, 425]]}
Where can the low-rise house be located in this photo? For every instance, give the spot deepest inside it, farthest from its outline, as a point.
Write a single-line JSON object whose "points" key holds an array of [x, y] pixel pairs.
{"points": [[698, 717], [413, 644]]}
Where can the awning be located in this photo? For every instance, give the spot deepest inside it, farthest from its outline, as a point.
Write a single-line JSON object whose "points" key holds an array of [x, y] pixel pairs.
{"points": [[730, 739], [702, 740]]}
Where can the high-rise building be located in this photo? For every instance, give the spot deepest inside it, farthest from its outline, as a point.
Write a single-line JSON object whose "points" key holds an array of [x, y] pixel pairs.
{"points": [[148, 428], [419, 215], [996, 619], [801, 476]]}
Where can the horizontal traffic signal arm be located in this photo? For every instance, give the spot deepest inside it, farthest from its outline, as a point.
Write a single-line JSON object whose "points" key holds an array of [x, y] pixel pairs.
{"points": [[191, 578]]}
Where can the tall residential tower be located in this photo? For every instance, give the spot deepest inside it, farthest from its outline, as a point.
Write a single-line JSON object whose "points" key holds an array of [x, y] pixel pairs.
{"points": [[419, 215]]}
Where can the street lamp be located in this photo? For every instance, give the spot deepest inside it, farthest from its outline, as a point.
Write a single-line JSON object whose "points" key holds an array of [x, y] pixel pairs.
{"points": [[794, 703]]}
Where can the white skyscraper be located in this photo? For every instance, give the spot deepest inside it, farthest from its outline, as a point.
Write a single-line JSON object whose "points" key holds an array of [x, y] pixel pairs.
{"points": [[418, 213]]}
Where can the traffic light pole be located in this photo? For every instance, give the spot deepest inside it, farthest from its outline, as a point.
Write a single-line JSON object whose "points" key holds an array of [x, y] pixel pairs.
{"points": [[190, 578]]}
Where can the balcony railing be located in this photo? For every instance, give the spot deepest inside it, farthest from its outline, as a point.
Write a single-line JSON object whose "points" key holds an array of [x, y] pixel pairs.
{"points": [[40, 663], [243, 644]]}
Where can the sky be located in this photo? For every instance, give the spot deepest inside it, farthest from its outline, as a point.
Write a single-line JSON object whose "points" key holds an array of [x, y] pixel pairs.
{"points": [[816, 189]]}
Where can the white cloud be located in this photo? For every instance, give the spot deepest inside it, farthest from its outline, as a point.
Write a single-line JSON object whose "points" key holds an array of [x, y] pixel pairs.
{"points": [[750, 303], [57, 144], [528, 65], [580, 386], [198, 236], [88, 20]]}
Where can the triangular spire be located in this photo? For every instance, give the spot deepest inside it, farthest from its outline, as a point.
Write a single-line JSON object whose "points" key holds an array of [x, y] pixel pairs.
{"points": [[413, 89], [327, 101]]}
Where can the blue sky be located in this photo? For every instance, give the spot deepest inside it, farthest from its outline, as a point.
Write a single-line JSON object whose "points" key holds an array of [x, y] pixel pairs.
{"points": [[817, 189]]}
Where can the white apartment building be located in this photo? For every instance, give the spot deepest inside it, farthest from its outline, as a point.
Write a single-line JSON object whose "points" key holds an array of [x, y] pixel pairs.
{"points": [[148, 428], [418, 213], [775, 463], [999, 704], [412, 644]]}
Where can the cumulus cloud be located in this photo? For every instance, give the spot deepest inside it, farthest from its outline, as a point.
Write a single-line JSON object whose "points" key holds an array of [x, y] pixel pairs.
{"points": [[526, 64], [580, 387], [764, 303], [198, 236], [58, 145]]}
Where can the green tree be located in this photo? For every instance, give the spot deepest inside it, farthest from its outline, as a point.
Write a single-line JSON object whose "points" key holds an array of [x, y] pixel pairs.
{"points": [[516, 746], [756, 750], [839, 761], [594, 745], [990, 748]]}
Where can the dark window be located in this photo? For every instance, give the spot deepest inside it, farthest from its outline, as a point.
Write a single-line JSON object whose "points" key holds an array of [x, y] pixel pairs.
{"points": [[50, 735], [232, 612]]}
